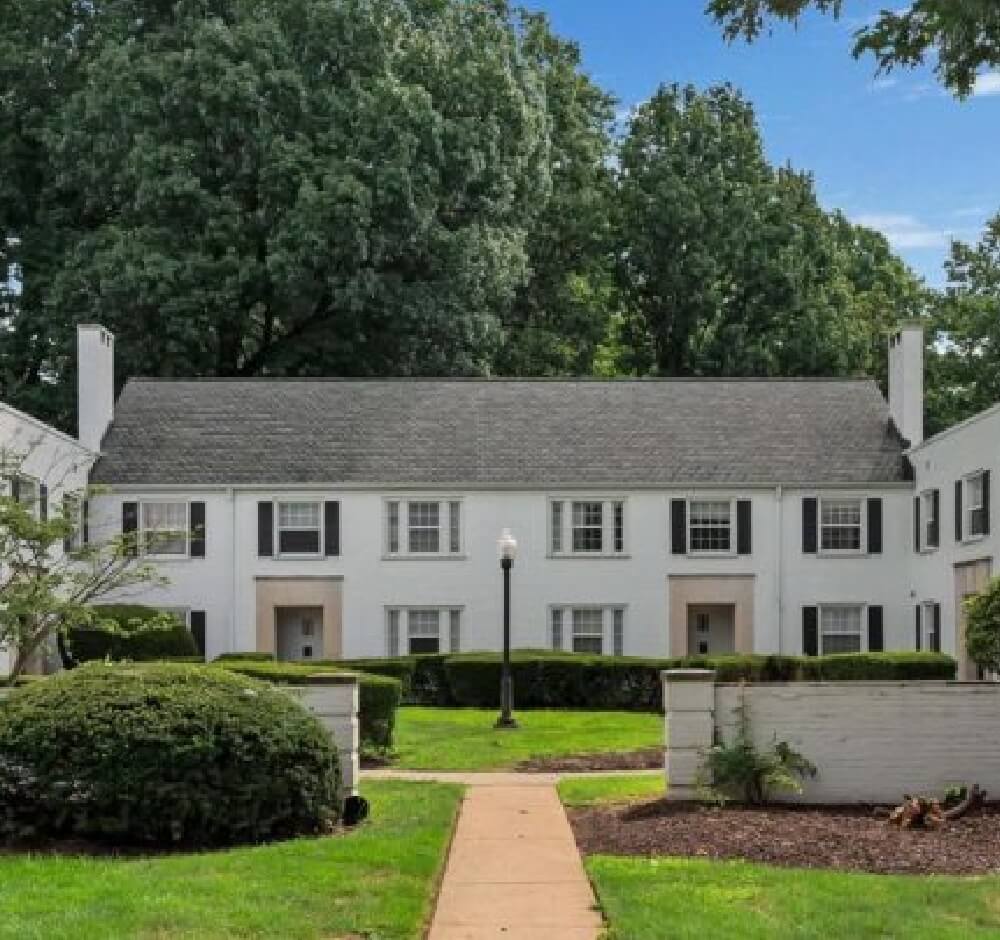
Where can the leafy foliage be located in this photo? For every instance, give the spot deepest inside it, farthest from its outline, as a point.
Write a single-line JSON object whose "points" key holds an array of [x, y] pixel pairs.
{"points": [[162, 754], [982, 631], [961, 38], [130, 632], [740, 770]]}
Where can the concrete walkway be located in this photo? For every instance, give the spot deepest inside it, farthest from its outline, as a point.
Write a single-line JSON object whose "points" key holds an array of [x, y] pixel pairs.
{"points": [[514, 871]]}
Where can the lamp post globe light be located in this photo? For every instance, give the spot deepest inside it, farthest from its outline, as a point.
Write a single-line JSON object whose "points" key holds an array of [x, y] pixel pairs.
{"points": [[507, 548]]}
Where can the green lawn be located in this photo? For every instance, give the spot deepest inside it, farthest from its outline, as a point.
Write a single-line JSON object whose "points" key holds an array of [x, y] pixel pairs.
{"points": [[617, 788], [465, 739], [376, 882], [652, 899]]}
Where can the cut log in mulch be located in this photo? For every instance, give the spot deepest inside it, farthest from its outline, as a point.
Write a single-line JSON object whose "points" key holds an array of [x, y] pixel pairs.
{"points": [[650, 758], [851, 838]]}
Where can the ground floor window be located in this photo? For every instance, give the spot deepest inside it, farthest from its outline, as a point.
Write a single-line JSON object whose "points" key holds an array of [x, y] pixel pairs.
{"points": [[414, 630], [592, 629], [840, 629]]}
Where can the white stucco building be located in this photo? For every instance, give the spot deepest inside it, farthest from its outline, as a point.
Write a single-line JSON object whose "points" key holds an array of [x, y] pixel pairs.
{"points": [[344, 518]]}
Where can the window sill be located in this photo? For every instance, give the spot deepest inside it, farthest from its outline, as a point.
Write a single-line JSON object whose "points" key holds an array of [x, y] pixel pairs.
{"points": [[974, 539], [292, 556], [697, 555], [846, 553], [591, 556], [419, 556]]}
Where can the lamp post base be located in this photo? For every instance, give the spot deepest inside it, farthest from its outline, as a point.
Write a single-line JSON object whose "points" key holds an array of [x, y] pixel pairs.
{"points": [[505, 724]]}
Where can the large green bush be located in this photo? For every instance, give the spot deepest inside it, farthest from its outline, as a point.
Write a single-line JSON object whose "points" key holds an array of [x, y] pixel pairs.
{"points": [[379, 695], [139, 634], [162, 754], [982, 635]]}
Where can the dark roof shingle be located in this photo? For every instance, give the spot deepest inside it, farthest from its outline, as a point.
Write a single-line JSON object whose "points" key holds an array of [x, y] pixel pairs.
{"points": [[427, 432]]}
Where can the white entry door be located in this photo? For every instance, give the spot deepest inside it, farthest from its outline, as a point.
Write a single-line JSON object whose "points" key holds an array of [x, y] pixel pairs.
{"points": [[299, 633]]}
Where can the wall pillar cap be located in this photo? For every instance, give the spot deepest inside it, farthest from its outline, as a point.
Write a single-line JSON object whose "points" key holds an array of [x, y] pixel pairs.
{"points": [[689, 675]]}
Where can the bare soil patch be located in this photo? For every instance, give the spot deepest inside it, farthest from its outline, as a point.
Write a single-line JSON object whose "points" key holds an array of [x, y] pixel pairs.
{"points": [[851, 838], [650, 758]]}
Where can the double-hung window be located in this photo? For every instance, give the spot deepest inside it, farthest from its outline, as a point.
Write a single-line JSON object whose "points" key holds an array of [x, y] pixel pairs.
{"points": [[587, 527], [423, 527], [710, 526], [840, 629], [166, 529], [930, 524], [588, 629], [412, 630], [975, 505], [299, 528], [841, 525]]}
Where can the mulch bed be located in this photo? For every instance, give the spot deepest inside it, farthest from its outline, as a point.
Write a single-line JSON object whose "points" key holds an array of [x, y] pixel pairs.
{"points": [[650, 758], [850, 838]]}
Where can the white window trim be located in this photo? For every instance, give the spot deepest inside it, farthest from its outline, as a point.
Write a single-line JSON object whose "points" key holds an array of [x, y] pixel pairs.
{"points": [[862, 548], [967, 537], [444, 612], [862, 623], [926, 514], [607, 526], [160, 556], [710, 553], [278, 528], [444, 529], [607, 626]]}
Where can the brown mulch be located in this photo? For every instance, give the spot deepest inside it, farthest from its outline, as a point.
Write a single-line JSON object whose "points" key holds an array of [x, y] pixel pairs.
{"points": [[650, 758], [851, 838]]}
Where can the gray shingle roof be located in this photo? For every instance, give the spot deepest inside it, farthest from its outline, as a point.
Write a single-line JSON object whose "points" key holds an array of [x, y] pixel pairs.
{"points": [[488, 432]]}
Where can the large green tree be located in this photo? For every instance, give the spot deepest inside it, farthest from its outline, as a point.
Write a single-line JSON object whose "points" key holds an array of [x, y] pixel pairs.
{"points": [[964, 370], [284, 187], [729, 266], [961, 37]]}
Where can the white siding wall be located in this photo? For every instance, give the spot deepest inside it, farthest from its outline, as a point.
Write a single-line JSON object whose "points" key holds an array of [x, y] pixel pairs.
{"points": [[222, 584]]}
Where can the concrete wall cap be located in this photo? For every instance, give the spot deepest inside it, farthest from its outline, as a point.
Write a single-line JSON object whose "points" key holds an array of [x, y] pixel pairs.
{"points": [[688, 675]]}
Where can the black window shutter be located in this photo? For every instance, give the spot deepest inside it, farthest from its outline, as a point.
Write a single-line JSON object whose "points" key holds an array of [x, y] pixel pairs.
{"points": [[744, 527], [876, 633], [198, 630], [678, 526], [916, 523], [935, 533], [197, 530], [936, 637], [986, 503], [918, 625], [331, 527], [958, 510], [130, 528], [875, 526], [15, 489], [810, 509], [810, 631], [85, 522], [265, 529], [43, 502], [67, 511]]}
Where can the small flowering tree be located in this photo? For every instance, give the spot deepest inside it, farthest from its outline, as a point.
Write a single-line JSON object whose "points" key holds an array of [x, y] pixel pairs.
{"points": [[49, 577], [982, 632]]}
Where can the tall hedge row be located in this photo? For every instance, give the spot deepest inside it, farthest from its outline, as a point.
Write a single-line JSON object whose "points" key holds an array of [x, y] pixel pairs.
{"points": [[139, 635], [570, 680]]}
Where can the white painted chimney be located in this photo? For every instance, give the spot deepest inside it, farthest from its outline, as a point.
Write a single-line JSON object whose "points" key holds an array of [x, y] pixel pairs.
{"points": [[906, 380], [95, 368]]}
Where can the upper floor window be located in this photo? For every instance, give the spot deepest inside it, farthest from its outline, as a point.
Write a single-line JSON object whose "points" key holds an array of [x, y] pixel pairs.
{"points": [[423, 527], [586, 527], [976, 505], [299, 528], [710, 526], [165, 528], [928, 522], [840, 525], [840, 629]]}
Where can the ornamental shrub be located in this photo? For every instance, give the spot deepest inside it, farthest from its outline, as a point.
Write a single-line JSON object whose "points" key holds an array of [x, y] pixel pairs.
{"points": [[982, 634], [139, 634], [163, 754]]}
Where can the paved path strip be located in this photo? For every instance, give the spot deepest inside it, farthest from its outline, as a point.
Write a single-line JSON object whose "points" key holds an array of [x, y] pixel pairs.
{"points": [[496, 778], [514, 871]]}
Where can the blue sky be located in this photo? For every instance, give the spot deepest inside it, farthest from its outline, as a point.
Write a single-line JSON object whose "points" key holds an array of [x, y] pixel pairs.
{"points": [[896, 152]]}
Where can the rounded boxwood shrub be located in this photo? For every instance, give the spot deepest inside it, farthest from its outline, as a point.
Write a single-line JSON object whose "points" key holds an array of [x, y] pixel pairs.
{"points": [[163, 754], [139, 636]]}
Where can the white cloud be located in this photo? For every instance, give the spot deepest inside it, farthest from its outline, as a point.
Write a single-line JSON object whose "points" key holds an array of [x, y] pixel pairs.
{"points": [[988, 83], [905, 231], [884, 83]]}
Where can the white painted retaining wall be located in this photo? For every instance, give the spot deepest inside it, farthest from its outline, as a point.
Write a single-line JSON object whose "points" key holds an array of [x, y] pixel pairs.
{"points": [[870, 741]]}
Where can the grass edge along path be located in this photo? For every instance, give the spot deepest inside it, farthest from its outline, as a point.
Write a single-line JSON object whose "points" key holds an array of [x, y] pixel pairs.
{"points": [[379, 880]]}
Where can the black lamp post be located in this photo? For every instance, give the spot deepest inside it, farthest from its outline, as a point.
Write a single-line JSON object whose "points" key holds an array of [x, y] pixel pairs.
{"points": [[507, 546]]}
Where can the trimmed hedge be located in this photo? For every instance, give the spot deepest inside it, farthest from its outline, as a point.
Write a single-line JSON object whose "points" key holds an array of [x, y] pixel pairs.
{"points": [[379, 695], [133, 639], [162, 754], [422, 676]]}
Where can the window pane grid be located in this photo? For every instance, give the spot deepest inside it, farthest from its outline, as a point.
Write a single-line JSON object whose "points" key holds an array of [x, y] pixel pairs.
{"points": [[392, 526], [974, 499], [455, 527], [710, 525], [619, 514], [841, 629], [557, 527], [298, 528], [424, 534], [588, 630], [165, 528], [588, 526], [841, 525], [557, 628]]}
